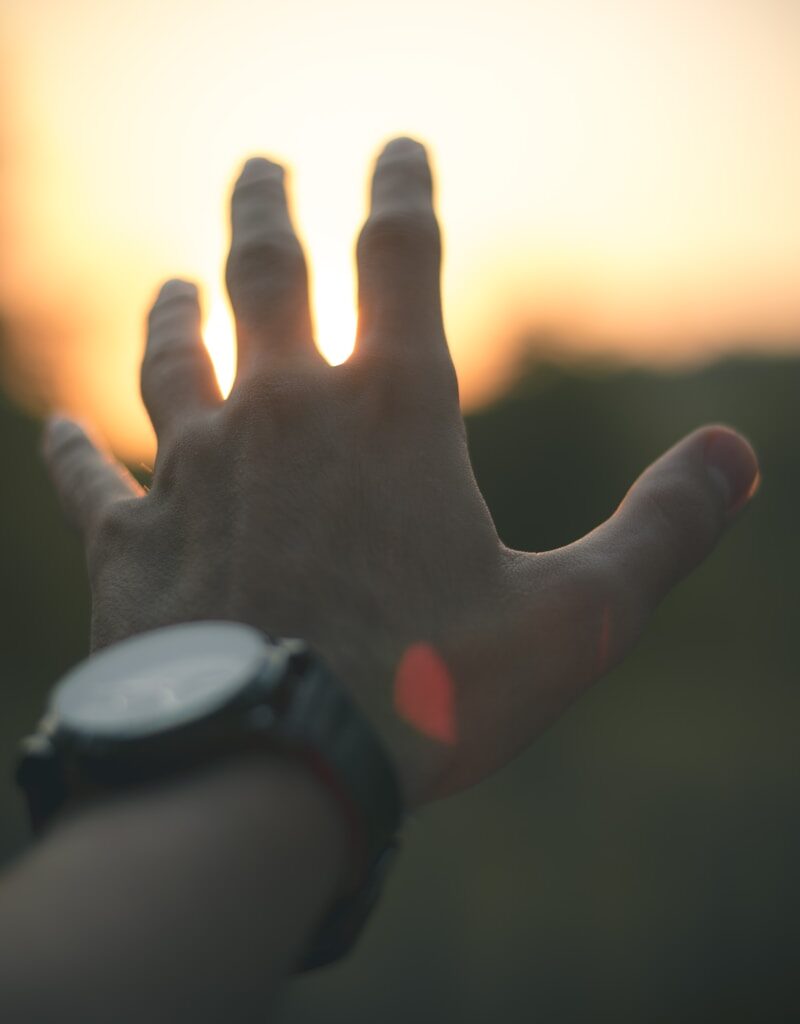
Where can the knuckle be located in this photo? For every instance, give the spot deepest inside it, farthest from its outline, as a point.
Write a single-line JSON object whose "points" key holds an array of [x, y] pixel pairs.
{"points": [[259, 176], [175, 321], [82, 474], [274, 399], [682, 515], [68, 449], [164, 355], [173, 337], [188, 447], [265, 264], [407, 378], [399, 230], [404, 165], [174, 302]]}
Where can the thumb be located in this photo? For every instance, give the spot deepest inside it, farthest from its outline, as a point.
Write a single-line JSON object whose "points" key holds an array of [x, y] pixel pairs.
{"points": [[675, 513]]}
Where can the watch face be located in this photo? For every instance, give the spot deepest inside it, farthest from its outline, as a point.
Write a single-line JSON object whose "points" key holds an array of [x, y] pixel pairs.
{"points": [[164, 679]]}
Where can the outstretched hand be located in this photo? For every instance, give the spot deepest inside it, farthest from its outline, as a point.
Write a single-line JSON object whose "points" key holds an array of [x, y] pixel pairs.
{"points": [[338, 503]]}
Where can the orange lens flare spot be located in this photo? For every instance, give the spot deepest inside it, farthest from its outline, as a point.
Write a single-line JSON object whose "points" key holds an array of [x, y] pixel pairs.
{"points": [[424, 694]]}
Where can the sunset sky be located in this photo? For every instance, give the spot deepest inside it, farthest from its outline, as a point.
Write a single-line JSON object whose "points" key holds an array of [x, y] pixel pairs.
{"points": [[625, 173]]}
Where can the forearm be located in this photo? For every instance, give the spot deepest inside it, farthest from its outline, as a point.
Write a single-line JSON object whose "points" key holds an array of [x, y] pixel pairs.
{"points": [[186, 903]]}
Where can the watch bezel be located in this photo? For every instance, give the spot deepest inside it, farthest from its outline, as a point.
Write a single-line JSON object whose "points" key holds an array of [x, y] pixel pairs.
{"points": [[154, 673]]}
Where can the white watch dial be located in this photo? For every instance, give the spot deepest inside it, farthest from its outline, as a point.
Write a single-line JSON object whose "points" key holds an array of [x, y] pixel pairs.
{"points": [[163, 679]]}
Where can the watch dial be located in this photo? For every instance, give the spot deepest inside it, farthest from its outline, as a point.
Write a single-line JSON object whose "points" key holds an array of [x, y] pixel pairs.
{"points": [[164, 679]]}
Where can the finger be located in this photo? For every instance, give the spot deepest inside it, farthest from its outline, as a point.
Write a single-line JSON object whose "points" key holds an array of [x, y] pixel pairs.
{"points": [[399, 253], [177, 373], [87, 480], [673, 516], [266, 270]]}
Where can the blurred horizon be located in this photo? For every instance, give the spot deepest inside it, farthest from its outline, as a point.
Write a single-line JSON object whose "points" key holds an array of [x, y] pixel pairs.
{"points": [[622, 177]]}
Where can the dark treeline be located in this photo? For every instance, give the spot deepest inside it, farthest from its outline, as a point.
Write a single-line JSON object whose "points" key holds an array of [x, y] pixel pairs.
{"points": [[639, 863]]}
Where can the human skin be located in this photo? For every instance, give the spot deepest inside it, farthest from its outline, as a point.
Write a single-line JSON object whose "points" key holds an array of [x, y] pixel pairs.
{"points": [[190, 901], [338, 503]]}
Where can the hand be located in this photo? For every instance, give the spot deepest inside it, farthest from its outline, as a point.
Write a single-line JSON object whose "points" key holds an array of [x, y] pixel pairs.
{"points": [[338, 504]]}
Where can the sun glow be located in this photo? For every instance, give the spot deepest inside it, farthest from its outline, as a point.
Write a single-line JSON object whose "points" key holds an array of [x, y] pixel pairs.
{"points": [[335, 316], [219, 338], [620, 175]]}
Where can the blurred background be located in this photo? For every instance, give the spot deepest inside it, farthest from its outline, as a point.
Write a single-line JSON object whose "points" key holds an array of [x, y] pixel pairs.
{"points": [[620, 195]]}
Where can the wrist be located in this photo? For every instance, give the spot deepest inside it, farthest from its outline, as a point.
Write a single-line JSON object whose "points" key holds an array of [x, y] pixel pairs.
{"points": [[222, 873], [282, 793], [273, 803], [169, 702], [263, 799]]}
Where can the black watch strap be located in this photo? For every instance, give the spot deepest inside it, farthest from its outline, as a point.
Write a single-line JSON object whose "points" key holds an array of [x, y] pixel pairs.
{"points": [[294, 703], [325, 727]]}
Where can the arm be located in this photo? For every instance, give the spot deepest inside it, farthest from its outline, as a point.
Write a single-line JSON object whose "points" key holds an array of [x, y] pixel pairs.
{"points": [[338, 504], [186, 903]]}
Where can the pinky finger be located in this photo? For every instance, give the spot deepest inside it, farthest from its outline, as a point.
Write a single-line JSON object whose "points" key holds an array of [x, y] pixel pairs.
{"points": [[86, 479]]}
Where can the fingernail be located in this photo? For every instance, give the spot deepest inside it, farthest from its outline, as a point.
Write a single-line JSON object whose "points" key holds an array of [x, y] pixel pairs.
{"points": [[176, 287], [732, 467], [258, 168], [403, 145]]}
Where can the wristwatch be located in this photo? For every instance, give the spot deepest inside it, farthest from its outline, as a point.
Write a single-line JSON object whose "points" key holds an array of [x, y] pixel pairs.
{"points": [[176, 698]]}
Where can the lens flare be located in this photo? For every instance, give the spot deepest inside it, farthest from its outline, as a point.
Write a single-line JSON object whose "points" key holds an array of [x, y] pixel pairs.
{"points": [[424, 693]]}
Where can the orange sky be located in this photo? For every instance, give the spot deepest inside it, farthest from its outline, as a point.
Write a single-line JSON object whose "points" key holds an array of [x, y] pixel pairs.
{"points": [[625, 172]]}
